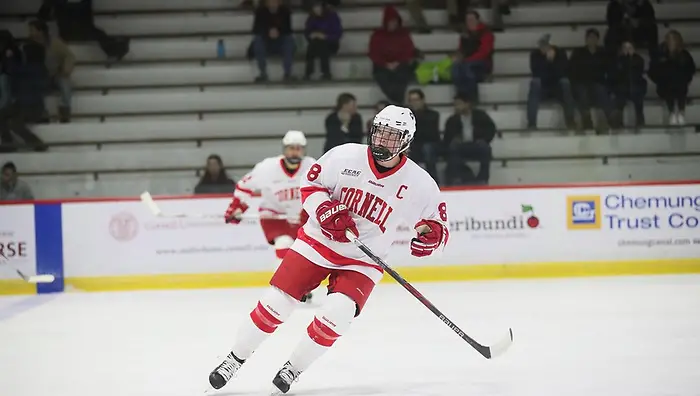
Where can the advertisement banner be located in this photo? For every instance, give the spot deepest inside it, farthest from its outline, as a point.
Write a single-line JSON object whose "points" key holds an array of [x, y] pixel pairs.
{"points": [[124, 238], [487, 227], [635, 222], [17, 240], [557, 225]]}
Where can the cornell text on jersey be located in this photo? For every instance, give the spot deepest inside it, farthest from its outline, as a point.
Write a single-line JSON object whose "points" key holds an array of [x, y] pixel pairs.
{"points": [[366, 205]]}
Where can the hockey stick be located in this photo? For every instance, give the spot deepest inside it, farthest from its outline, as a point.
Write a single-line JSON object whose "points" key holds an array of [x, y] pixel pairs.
{"points": [[46, 278], [486, 351], [147, 199]]}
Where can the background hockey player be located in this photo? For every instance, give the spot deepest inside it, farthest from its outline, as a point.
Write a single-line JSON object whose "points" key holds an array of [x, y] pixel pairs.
{"points": [[277, 179], [369, 191]]}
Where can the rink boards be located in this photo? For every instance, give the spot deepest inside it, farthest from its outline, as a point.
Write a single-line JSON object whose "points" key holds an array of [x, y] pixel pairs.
{"points": [[506, 232]]}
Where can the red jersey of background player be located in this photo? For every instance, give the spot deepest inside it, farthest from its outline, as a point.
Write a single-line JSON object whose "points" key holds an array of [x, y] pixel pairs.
{"points": [[368, 190]]}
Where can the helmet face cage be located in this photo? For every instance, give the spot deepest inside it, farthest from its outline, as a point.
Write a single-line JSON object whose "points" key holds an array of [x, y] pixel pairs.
{"points": [[387, 142]]}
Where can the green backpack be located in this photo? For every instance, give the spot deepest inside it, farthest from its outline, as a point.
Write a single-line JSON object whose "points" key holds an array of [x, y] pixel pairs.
{"points": [[436, 71]]}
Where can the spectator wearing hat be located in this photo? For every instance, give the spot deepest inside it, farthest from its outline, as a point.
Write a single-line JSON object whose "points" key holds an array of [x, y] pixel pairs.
{"points": [[588, 71], [323, 32], [468, 135], [474, 58], [549, 68], [393, 56]]}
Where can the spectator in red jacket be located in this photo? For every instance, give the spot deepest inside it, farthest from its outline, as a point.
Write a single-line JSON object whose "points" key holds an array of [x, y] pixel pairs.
{"points": [[392, 53], [473, 60]]}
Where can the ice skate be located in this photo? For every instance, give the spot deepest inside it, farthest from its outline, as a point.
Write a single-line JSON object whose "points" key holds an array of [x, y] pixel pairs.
{"points": [[284, 379], [225, 371]]}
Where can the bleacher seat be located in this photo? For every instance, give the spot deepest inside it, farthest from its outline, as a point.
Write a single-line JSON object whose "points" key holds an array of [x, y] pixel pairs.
{"points": [[251, 98], [245, 153], [171, 102]]}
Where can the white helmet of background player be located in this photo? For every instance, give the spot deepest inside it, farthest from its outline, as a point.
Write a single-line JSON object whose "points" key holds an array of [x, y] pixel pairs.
{"points": [[392, 132], [294, 144]]}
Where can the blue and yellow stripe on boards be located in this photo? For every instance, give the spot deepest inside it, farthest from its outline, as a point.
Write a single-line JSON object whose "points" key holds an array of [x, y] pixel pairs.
{"points": [[413, 274]]}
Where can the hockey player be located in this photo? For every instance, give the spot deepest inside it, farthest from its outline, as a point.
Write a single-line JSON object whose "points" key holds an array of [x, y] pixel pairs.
{"points": [[369, 190], [277, 179]]}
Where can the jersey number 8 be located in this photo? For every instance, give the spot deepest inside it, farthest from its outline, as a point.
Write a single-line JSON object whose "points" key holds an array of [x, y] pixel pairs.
{"points": [[314, 172]]}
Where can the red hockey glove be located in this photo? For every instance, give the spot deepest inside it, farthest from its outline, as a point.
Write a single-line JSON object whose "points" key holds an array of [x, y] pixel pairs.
{"points": [[234, 211], [428, 241], [334, 219]]}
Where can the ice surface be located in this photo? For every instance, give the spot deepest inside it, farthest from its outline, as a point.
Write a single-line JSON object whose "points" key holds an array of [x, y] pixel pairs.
{"points": [[632, 336]]}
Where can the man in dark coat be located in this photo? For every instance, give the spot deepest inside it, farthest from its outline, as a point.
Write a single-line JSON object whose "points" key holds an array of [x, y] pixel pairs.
{"points": [[588, 71], [468, 136]]}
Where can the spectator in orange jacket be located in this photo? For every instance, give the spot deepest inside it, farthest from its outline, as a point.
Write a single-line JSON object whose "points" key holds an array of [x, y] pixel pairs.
{"points": [[473, 60], [392, 53]]}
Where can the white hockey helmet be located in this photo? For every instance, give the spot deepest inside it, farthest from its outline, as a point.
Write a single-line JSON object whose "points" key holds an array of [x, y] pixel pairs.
{"points": [[392, 132], [294, 138]]}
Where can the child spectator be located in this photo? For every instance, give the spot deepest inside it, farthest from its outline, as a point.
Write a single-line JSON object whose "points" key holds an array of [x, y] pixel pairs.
{"points": [[589, 67], [323, 32], [549, 66], [392, 53], [272, 34], [628, 84], [473, 60], [672, 71], [215, 180]]}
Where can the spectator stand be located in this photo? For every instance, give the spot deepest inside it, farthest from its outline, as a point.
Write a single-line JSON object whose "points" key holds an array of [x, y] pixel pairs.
{"points": [[149, 121]]}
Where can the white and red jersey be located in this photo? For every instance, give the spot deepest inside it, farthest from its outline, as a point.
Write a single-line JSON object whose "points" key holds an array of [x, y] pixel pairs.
{"points": [[378, 202], [278, 187]]}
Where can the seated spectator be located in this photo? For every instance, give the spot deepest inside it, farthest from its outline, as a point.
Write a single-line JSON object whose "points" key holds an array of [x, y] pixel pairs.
{"points": [[272, 34], [75, 20], [60, 63], [215, 180], [631, 20], [468, 136], [672, 71], [549, 66], [392, 53], [379, 106], [588, 68], [473, 60], [426, 143], [344, 124], [628, 84], [11, 188], [323, 32]]}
